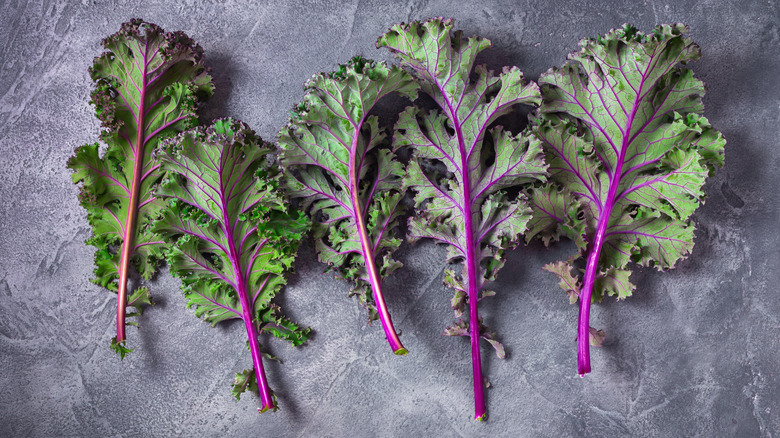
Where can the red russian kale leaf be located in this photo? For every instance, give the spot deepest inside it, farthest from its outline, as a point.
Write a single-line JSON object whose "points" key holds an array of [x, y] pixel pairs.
{"points": [[629, 152], [351, 185], [147, 85], [232, 239], [463, 168]]}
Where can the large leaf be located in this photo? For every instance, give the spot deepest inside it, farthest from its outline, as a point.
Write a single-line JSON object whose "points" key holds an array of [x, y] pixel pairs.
{"points": [[232, 238], [463, 164], [629, 153], [147, 85], [351, 185]]}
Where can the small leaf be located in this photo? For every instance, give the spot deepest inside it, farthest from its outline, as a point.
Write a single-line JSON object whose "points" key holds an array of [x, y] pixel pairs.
{"points": [[486, 293], [596, 337], [120, 348], [497, 346], [614, 282], [140, 297], [244, 381], [460, 328], [567, 282]]}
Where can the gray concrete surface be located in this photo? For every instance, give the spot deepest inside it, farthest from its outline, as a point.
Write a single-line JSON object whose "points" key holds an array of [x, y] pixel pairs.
{"points": [[693, 353]]}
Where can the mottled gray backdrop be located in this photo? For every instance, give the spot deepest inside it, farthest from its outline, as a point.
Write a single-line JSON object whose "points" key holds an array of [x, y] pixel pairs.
{"points": [[693, 353]]}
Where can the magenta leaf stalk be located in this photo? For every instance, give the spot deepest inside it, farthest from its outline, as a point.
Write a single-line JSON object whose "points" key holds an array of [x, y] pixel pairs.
{"points": [[368, 255]]}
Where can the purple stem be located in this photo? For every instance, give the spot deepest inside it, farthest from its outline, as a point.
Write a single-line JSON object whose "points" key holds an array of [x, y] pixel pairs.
{"points": [[368, 253], [251, 330], [247, 308], [591, 268], [472, 272], [132, 211]]}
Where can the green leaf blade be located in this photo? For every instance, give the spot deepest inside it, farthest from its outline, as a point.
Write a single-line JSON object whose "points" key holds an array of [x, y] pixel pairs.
{"points": [[232, 239], [147, 86], [621, 122]]}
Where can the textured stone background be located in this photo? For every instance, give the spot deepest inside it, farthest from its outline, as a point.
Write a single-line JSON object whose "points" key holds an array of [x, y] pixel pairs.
{"points": [[693, 353]]}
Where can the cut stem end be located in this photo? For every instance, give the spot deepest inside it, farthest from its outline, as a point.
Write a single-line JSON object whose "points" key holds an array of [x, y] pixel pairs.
{"points": [[266, 408]]}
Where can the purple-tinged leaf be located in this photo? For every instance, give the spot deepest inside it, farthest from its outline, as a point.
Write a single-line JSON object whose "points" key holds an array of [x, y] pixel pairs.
{"points": [[596, 337], [232, 239], [629, 152], [351, 186], [462, 164], [569, 283]]}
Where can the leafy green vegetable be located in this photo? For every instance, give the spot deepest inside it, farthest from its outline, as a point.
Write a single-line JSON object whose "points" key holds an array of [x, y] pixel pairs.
{"points": [[232, 238], [629, 152], [468, 206], [147, 85], [351, 185]]}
